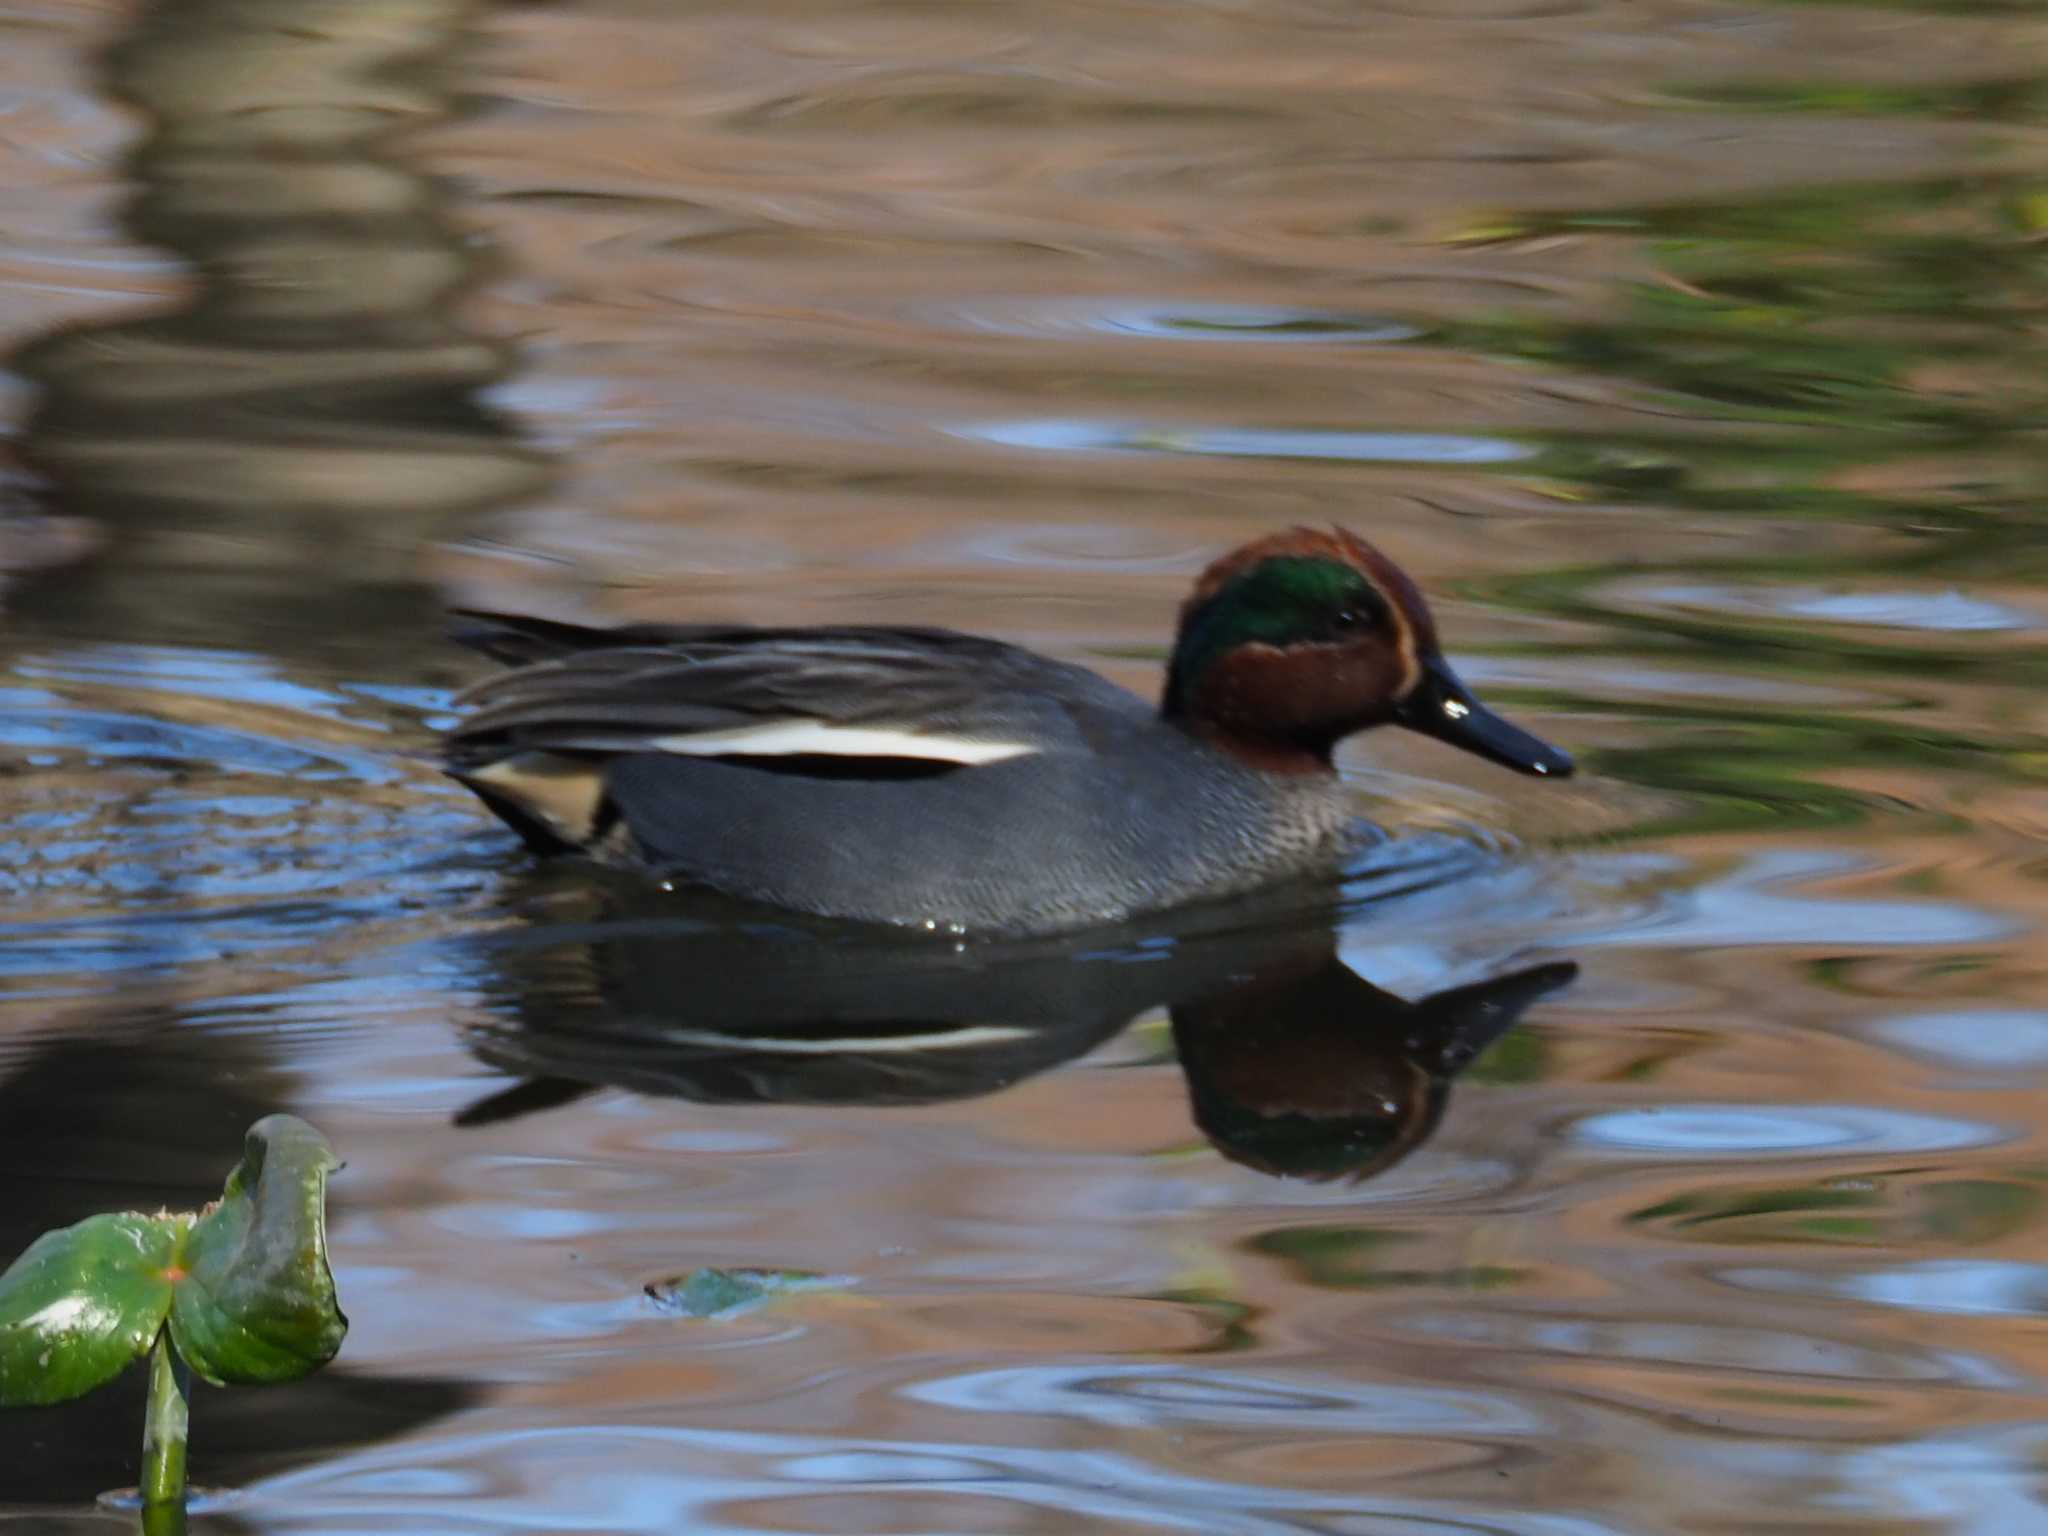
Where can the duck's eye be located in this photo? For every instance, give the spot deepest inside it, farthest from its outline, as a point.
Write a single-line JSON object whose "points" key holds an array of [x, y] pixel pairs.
{"points": [[1355, 617]]}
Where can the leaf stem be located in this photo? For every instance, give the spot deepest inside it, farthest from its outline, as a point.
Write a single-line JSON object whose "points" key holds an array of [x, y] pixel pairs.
{"points": [[163, 1430], [163, 1520]]}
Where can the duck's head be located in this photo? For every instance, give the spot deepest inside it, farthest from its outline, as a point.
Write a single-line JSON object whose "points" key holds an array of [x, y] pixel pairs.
{"points": [[1296, 640]]}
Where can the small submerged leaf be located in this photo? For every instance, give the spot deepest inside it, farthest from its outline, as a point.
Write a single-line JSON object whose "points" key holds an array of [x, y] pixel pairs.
{"points": [[83, 1304], [729, 1292], [257, 1303]]}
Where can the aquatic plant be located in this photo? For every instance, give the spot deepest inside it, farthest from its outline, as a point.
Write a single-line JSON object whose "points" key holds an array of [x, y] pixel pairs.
{"points": [[238, 1293]]}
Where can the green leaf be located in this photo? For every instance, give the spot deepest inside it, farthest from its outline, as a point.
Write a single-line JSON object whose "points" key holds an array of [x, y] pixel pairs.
{"points": [[730, 1292], [83, 1304], [257, 1303]]}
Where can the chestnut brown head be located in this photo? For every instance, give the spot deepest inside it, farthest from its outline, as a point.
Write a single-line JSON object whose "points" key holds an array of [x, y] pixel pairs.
{"points": [[1297, 640]]}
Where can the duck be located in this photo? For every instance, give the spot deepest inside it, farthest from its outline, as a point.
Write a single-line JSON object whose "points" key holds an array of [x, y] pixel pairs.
{"points": [[925, 778]]}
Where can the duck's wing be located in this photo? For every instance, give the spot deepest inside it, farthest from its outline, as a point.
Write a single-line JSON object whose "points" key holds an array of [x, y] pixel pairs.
{"points": [[847, 702]]}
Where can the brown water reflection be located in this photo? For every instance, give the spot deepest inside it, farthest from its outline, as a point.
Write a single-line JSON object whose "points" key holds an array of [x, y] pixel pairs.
{"points": [[1686, 351], [270, 451]]}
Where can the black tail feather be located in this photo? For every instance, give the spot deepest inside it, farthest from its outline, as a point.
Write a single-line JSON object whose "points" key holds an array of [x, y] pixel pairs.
{"points": [[518, 639], [524, 1097]]}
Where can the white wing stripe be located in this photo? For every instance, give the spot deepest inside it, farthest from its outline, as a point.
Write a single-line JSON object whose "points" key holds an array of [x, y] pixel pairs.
{"points": [[789, 738], [963, 1037]]}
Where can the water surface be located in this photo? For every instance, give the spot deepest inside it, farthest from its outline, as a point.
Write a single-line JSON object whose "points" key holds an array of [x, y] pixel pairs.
{"points": [[1686, 352]]}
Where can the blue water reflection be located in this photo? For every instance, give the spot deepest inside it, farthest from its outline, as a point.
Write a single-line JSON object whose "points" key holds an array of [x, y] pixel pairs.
{"points": [[1081, 436]]}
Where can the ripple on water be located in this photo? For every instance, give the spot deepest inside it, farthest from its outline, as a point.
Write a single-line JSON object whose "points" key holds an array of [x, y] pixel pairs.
{"points": [[1648, 679], [1329, 444], [230, 675], [1150, 1396], [1698, 1131], [649, 1478], [1178, 320], [1966, 1287], [1749, 907], [103, 735], [1975, 1481], [1675, 1341], [1945, 611], [989, 1321], [179, 806], [1977, 1039], [1078, 547]]}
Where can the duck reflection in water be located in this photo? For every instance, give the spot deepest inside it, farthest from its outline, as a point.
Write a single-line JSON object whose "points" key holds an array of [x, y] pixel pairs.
{"points": [[1295, 1065]]}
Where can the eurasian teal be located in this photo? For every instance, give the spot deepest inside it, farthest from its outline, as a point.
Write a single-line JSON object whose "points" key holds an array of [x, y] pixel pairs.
{"points": [[932, 779]]}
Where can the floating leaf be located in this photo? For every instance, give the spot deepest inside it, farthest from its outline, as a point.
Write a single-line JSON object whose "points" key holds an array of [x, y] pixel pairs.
{"points": [[729, 1292], [83, 1304], [256, 1302]]}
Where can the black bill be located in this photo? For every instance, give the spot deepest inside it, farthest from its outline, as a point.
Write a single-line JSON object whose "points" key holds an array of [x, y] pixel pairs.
{"points": [[1443, 707]]}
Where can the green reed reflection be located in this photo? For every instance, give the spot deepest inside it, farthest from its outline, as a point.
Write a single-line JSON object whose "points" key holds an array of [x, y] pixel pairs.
{"points": [[1764, 308], [1873, 1209], [1837, 371], [1355, 1259], [2014, 99]]}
